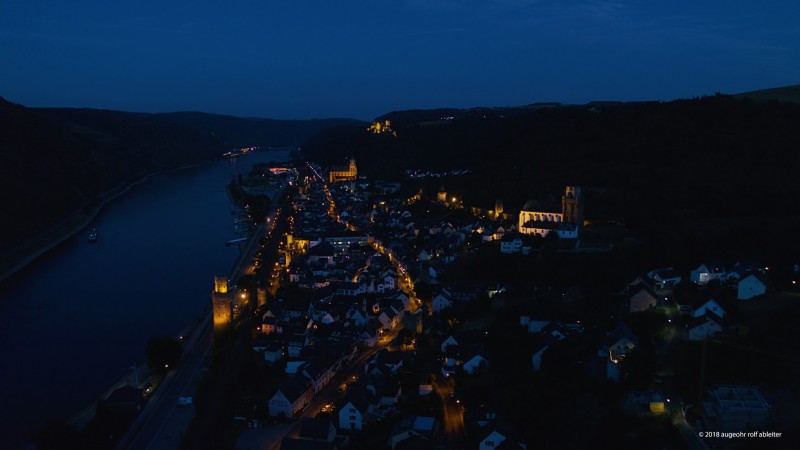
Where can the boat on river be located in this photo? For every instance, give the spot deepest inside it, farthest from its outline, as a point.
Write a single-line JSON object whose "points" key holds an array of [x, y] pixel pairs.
{"points": [[93, 236]]}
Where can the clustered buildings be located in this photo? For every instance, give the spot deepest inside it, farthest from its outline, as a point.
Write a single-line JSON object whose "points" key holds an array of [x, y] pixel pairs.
{"points": [[353, 255]]}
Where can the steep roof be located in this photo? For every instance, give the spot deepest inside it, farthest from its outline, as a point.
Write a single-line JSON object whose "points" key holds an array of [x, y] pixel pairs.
{"points": [[620, 331], [542, 206], [700, 320], [322, 249]]}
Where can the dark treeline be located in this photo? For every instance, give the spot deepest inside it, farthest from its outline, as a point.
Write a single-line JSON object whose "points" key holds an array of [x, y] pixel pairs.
{"points": [[705, 178], [54, 162]]}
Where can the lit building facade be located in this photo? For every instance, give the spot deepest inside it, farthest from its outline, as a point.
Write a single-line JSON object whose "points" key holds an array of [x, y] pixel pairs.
{"points": [[222, 304], [344, 173], [544, 217]]}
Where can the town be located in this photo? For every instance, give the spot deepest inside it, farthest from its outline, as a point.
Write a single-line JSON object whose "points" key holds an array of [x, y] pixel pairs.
{"points": [[390, 320]]}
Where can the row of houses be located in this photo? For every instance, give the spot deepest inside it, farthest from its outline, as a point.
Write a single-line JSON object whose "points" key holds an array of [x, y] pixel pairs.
{"points": [[307, 377]]}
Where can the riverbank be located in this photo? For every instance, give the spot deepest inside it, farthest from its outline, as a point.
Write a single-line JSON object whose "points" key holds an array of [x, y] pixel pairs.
{"points": [[18, 258]]}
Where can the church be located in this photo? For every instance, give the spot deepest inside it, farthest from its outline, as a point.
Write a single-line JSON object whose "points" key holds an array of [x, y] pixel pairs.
{"points": [[344, 173], [540, 218]]}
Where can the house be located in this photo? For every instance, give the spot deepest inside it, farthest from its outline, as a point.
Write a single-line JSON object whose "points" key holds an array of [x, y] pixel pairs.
{"points": [[642, 298], [392, 362], [317, 429], [703, 327], [742, 268], [349, 289], [273, 353], [353, 414], [442, 301], [469, 357], [291, 397], [371, 333], [710, 305], [500, 437], [451, 340], [751, 286], [387, 391], [389, 319], [665, 278], [322, 252], [419, 426], [269, 324], [295, 345], [707, 272], [319, 370], [511, 243], [475, 363], [616, 345]]}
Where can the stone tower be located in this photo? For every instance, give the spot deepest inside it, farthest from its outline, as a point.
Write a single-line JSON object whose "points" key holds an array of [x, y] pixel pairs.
{"points": [[498, 208], [441, 195], [222, 305], [572, 205]]}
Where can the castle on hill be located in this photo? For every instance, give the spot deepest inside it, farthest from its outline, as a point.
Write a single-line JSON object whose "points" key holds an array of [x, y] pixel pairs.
{"points": [[541, 218], [379, 127]]}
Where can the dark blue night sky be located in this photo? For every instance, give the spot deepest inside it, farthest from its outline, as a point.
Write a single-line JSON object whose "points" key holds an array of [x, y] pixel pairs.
{"points": [[304, 59]]}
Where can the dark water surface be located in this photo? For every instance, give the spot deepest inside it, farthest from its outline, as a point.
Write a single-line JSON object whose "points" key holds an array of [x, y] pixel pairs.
{"points": [[75, 320]]}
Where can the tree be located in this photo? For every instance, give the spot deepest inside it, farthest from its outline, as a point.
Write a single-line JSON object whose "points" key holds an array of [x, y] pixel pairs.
{"points": [[162, 352]]}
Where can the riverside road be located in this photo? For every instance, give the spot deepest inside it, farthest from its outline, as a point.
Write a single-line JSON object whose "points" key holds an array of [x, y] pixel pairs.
{"points": [[163, 424]]}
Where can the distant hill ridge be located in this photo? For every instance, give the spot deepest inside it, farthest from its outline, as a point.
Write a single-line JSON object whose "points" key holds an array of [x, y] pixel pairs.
{"points": [[59, 162], [789, 94]]}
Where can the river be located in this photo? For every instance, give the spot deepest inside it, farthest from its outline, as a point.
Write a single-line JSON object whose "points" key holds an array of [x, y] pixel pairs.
{"points": [[77, 318]]}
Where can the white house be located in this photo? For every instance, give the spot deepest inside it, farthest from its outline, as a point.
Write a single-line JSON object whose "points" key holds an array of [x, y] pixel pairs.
{"points": [[290, 399], [389, 319], [703, 327], [751, 286], [707, 272], [353, 414], [510, 243]]}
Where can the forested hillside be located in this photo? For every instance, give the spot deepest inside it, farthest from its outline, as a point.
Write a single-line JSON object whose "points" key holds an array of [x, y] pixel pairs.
{"points": [[54, 162]]}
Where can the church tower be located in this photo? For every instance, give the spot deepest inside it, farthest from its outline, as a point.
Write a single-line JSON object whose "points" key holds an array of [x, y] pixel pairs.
{"points": [[222, 305], [353, 169], [572, 205]]}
